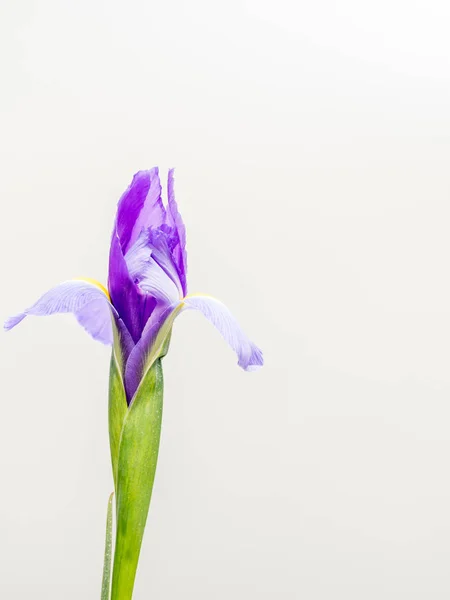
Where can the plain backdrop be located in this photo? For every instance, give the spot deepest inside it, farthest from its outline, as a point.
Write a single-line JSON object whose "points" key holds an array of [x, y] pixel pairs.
{"points": [[311, 142]]}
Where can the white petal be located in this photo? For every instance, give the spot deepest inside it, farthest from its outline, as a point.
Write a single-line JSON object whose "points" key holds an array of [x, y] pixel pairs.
{"points": [[250, 356], [158, 284], [86, 301]]}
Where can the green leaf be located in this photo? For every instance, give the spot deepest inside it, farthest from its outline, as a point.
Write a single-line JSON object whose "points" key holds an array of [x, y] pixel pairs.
{"points": [[118, 406], [160, 344], [118, 409], [106, 581], [136, 466]]}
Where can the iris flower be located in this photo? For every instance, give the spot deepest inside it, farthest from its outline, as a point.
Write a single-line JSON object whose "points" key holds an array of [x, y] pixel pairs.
{"points": [[146, 291]]}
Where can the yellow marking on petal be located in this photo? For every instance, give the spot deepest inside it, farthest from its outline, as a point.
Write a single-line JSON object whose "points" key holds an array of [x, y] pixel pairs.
{"points": [[196, 295], [97, 284]]}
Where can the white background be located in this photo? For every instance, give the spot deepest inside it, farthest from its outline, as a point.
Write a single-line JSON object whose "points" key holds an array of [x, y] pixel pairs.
{"points": [[312, 147]]}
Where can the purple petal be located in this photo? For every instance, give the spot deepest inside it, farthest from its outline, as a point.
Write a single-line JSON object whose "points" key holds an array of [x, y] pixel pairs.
{"points": [[137, 256], [150, 257], [137, 358], [86, 301], [173, 219], [152, 281], [130, 206], [131, 304], [139, 207], [160, 243], [250, 356], [153, 213], [125, 341], [155, 282]]}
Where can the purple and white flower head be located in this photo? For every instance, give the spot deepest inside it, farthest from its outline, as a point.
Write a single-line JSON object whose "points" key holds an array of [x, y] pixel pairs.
{"points": [[147, 286]]}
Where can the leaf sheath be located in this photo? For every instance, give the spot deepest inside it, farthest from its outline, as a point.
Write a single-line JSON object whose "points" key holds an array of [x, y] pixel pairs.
{"points": [[136, 467]]}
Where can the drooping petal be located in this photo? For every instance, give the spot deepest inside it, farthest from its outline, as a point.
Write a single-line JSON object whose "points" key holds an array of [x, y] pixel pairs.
{"points": [[93, 318], [85, 300], [173, 219], [250, 356], [157, 331]]}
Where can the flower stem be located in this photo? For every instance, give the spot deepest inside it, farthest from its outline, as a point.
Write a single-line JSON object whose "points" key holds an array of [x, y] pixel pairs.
{"points": [[136, 467], [106, 580]]}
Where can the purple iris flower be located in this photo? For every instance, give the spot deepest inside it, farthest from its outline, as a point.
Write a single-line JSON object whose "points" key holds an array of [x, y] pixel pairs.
{"points": [[147, 286]]}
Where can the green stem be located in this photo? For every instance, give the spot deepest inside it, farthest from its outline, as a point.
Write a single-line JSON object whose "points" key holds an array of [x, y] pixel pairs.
{"points": [[106, 580], [136, 467]]}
